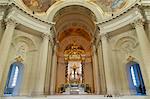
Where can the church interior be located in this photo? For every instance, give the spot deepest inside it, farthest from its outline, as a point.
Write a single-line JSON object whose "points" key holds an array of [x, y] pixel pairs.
{"points": [[74, 49]]}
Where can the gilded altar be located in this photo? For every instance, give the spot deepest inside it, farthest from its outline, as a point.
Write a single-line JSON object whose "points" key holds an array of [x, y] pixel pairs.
{"points": [[74, 57]]}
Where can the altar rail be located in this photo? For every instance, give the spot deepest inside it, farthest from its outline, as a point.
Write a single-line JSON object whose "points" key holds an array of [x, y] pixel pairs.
{"points": [[77, 97]]}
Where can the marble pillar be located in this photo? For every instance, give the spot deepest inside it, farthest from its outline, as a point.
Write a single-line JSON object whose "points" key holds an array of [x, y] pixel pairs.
{"points": [[145, 48], [42, 65], [96, 71], [1, 30], [101, 69], [48, 70], [4, 48], [107, 64], [53, 71]]}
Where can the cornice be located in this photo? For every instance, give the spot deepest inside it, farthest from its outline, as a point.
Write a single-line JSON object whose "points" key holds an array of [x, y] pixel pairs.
{"points": [[7, 2], [145, 3], [4, 2], [14, 5], [39, 21], [121, 21], [22, 18], [119, 14]]}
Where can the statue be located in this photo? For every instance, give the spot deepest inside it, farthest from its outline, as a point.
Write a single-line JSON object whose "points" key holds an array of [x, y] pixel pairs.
{"points": [[74, 75]]}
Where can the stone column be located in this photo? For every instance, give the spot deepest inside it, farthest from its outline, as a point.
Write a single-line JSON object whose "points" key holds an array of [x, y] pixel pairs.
{"points": [[107, 64], [4, 48], [48, 69], [42, 65], [1, 30], [148, 31], [101, 68], [145, 48], [96, 71], [53, 71]]}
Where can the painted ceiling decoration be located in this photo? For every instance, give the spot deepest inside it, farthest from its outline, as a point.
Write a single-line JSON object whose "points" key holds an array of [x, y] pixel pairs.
{"points": [[39, 5], [118, 4], [43, 5], [110, 5]]}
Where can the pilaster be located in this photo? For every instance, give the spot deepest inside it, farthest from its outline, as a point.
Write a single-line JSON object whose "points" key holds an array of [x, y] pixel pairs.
{"points": [[96, 71], [107, 64], [145, 48], [42, 65], [4, 48], [53, 71], [101, 67], [49, 67]]}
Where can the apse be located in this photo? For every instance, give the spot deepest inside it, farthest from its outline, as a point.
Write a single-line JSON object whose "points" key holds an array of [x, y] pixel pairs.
{"points": [[75, 29]]}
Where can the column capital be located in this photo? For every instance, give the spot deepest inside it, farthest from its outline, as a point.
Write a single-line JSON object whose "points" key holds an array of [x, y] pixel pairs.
{"points": [[97, 40], [11, 22], [48, 37], [138, 22], [45, 36], [94, 49], [104, 36]]}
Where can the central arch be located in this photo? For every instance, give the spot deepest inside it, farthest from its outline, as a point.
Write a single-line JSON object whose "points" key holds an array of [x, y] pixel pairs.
{"points": [[95, 9], [75, 24]]}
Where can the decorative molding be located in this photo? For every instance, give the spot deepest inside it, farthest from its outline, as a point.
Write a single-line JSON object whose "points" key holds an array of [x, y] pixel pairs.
{"points": [[11, 22], [2, 13], [130, 58], [45, 36], [19, 59], [121, 21], [28, 21], [126, 44], [138, 22], [4, 2], [145, 2]]}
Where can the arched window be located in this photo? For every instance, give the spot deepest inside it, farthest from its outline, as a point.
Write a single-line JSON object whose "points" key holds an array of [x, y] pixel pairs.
{"points": [[14, 79], [135, 79]]}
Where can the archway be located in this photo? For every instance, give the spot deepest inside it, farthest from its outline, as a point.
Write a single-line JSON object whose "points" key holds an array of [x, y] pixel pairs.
{"points": [[75, 25], [55, 8]]}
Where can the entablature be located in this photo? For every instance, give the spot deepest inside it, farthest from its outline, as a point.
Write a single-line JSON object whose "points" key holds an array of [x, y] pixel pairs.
{"points": [[4, 2], [121, 21], [23, 18]]}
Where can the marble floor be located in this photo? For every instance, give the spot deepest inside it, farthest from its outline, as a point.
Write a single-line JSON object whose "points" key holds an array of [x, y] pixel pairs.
{"points": [[76, 97]]}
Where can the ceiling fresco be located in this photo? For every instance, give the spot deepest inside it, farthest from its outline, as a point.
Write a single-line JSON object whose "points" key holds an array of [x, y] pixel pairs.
{"points": [[110, 5], [43, 5], [39, 5]]}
